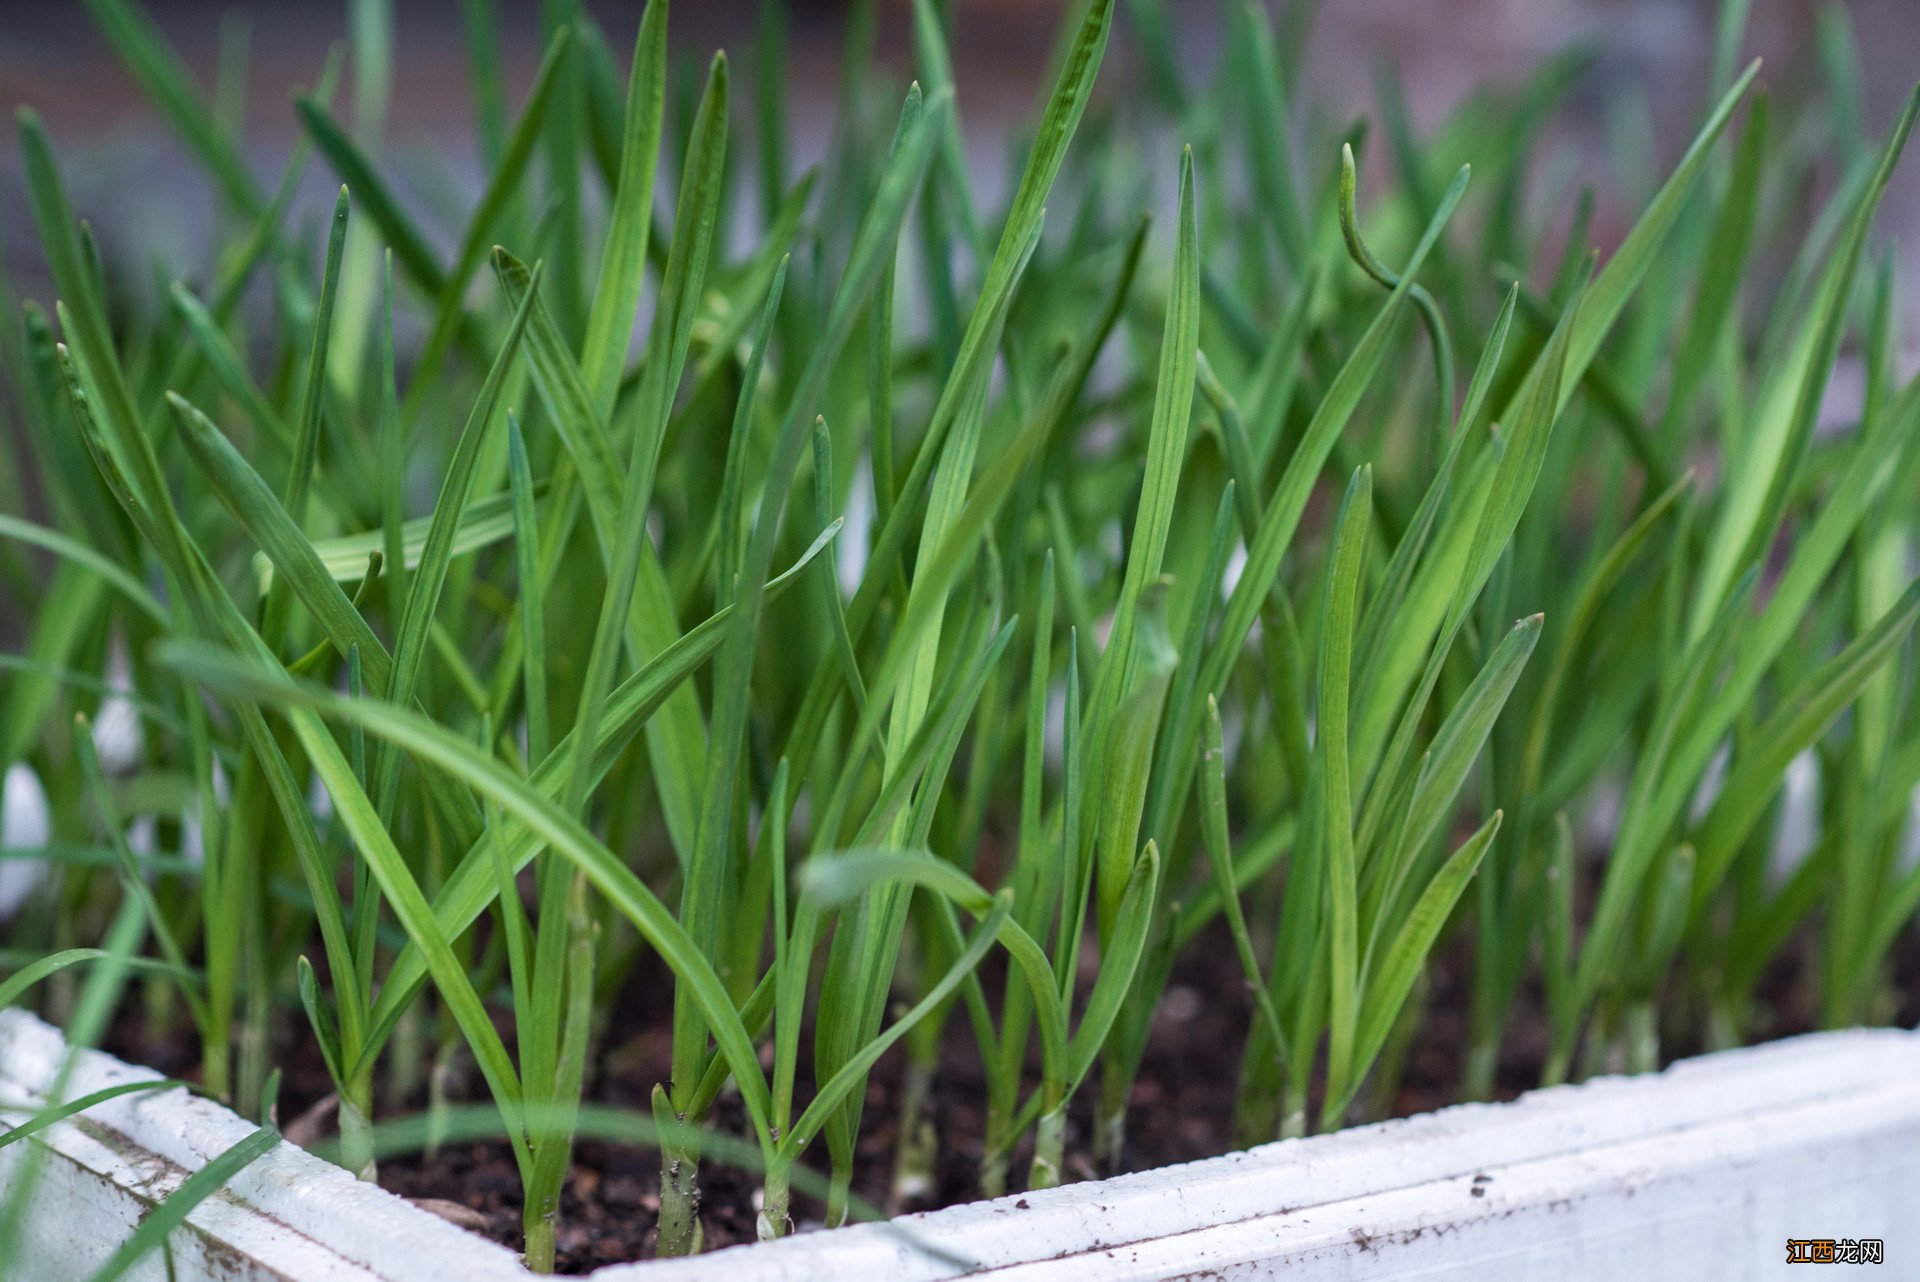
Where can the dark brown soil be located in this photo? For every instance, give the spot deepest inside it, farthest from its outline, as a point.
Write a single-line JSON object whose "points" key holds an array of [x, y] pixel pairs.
{"points": [[1182, 1105], [1182, 1110]]}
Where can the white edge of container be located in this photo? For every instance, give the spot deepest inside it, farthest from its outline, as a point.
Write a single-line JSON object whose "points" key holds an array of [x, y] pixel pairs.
{"points": [[288, 1215], [1704, 1170]]}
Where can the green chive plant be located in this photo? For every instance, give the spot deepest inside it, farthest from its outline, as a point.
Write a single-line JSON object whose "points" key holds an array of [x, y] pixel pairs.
{"points": [[800, 589]]}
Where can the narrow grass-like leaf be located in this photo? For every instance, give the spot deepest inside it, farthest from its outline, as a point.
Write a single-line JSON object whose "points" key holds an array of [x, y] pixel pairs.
{"points": [[1389, 983], [472, 884], [1343, 877], [300, 567], [423, 595], [623, 260], [560, 831], [1213, 828]]}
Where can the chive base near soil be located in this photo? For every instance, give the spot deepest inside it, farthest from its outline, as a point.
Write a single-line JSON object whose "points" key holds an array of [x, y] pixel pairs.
{"points": [[1703, 1170], [1184, 1109]]}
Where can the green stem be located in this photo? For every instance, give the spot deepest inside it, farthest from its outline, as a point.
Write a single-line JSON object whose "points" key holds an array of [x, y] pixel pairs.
{"points": [[1256, 1110], [839, 1187], [774, 1219], [216, 1054], [679, 1183], [1482, 1065], [1559, 1060], [540, 1220], [1560, 1050], [253, 1039], [1110, 1138], [256, 1038], [356, 1129], [1293, 1110], [1477, 1075], [1391, 1065], [1049, 1148], [541, 1223], [993, 1167], [1640, 1033], [406, 1050], [439, 1084], [918, 1145], [1110, 1122]]}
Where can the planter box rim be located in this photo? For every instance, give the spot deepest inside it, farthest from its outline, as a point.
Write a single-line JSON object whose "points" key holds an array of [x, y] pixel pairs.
{"points": [[288, 1210], [300, 1217]]}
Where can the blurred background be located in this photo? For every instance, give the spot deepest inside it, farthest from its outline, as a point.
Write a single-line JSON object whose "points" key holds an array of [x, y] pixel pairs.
{"points": [[1643, 89]]}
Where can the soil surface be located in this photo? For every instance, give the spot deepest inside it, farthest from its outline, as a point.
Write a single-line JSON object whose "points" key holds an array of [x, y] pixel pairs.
{"points": [[1183, 1107], [1182, 1104]]}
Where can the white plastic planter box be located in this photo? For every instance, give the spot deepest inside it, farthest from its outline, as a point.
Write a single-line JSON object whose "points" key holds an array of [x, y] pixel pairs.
{"points": [[1704, 1171]]}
